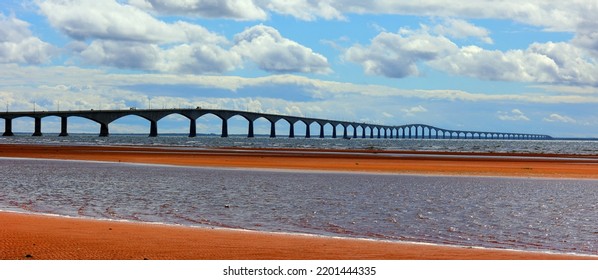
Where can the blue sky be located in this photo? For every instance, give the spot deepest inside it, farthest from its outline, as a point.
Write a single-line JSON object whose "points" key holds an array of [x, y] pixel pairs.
{"points": [[517, 66]]}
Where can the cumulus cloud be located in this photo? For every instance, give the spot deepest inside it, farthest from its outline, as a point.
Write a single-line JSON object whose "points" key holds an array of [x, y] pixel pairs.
{"points": [[18, 45], [576, 16], [559, 118], [271, 52], [513, 115], [544, 63], [396, 54], [131, 55], [198, 58], [119, 35], [110, 20]]}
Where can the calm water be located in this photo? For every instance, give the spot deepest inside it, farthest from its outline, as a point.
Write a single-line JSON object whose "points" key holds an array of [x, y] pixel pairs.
{"points": [[529, 214]]}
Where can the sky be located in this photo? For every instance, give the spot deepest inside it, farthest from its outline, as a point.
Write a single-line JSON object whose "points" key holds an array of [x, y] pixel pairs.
{"points": [[526, 66]]}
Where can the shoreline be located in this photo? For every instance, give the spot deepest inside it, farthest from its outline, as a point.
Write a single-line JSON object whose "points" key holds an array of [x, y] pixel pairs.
{"points": [[55, 237]]}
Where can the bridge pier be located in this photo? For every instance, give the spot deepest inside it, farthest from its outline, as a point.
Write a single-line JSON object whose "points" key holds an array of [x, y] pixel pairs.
{"points": [[321, 131], [104, 130], [363, 132], [354, 131], [38, 127], [272, 129], [292, 130], [192, 128], [8, 128], [307, 131], [345, 135], [333, 131], [250, 130], [153, 129], [63, 126], [224, 128]]}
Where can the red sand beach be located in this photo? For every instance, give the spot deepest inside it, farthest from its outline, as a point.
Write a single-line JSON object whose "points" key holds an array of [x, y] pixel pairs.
{"points": [[28, 236]]}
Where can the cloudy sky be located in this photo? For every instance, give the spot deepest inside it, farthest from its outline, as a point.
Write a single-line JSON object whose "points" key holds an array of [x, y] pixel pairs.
{"points": [[512, 65]]}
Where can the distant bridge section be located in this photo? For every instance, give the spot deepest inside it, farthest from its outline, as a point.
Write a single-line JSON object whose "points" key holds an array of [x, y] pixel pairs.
{"points": [[349, 129]]}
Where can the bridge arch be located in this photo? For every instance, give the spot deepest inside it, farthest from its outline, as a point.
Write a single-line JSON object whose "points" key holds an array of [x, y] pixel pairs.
{"points": [[212, 124], [283, 127]]}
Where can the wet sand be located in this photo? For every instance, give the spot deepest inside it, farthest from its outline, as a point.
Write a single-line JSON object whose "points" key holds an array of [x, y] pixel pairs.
{"points": [[27, 236]]}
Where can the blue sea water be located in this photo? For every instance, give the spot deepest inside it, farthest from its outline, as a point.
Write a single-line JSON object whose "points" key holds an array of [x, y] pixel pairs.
{"points": [[514, 213]]}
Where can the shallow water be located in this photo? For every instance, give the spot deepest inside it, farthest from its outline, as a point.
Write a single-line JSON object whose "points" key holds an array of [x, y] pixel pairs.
{"points": [[516, 213]]}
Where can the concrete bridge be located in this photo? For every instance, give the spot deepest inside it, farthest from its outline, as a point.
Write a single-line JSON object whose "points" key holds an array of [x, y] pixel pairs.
{"points": [[349, 129]]}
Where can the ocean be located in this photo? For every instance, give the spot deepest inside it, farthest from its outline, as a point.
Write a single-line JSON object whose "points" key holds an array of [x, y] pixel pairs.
{"points": [[555, 215]]}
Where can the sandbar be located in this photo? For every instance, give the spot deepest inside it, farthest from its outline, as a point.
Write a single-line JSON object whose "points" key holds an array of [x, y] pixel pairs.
{"points": [[404, 162]]}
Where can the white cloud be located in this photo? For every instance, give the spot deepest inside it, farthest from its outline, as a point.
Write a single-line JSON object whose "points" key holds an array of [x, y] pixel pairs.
{"points": [[233, 9], [124, 36], [18, 45], [271, 52], [569, 16], [458, 28], [387, 115], [184, 58], [541, 63], [396, 54], [132, 55], [414, 110], [559, 118], [306, 9], [198, 58], [514, 115], [552, 15], [110, 20]]}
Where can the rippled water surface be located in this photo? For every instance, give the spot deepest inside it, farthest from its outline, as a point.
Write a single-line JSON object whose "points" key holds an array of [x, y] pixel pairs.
{"points": [[530, 214]]}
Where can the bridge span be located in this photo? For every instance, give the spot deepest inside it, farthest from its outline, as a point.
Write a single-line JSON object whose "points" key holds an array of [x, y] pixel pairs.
{"points": [[349, 129]]}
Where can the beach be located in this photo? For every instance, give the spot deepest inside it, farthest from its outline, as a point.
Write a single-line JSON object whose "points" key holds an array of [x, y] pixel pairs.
{"points": [[34, 236]]}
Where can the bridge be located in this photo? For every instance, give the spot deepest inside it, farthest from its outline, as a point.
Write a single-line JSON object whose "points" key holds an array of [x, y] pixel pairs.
{"points": [[349, 129]]}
